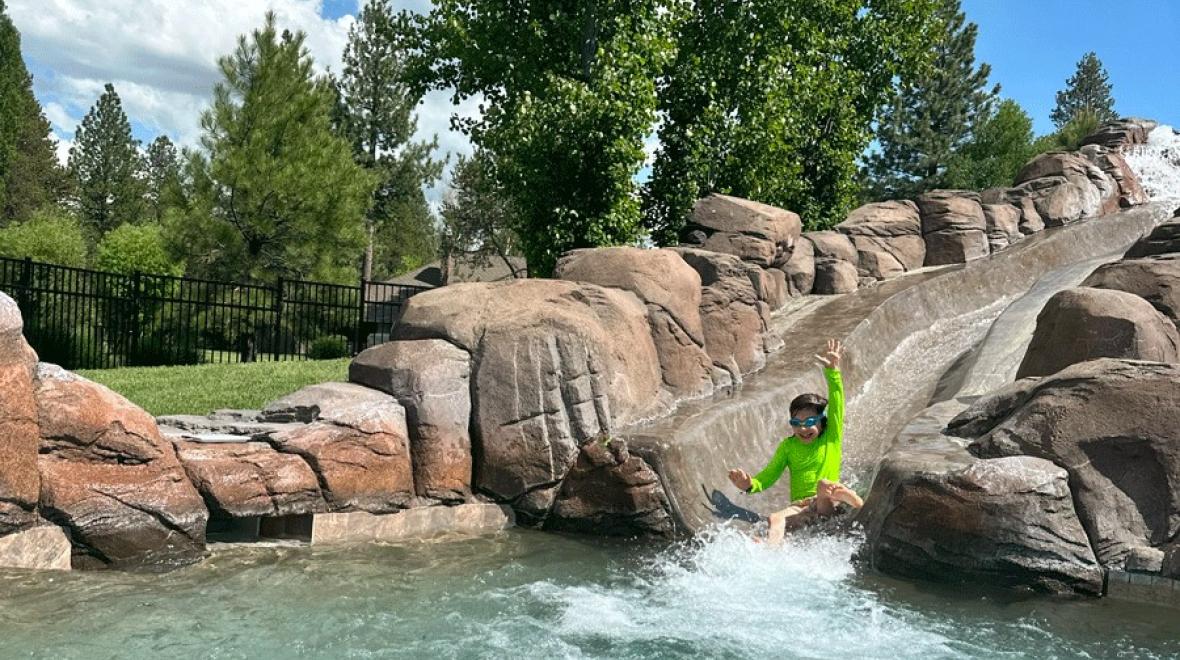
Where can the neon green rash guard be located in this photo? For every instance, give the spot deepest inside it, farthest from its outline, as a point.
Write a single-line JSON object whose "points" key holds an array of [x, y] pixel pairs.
{"points": [[809, 462]]}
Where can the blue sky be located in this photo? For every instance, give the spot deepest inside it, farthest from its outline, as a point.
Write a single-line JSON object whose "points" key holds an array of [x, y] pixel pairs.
{"points": [[161, 54]]}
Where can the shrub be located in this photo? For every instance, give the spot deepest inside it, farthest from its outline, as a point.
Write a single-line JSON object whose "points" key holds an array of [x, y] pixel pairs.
{"points": [[328, 347], [50, 235], [130, 248], [73, 347], [162, 349]]}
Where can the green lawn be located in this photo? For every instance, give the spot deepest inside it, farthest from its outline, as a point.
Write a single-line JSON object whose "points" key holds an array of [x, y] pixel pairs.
{"points": [[200, 389]]}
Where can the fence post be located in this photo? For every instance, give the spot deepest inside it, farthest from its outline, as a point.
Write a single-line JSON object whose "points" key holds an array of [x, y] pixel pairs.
{"points": [[359, 341], [277, 336], [26, 284], [136, 295]]}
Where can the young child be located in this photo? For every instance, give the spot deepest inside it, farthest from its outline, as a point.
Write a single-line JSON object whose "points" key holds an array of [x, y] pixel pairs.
{"points": [[812, 455]]}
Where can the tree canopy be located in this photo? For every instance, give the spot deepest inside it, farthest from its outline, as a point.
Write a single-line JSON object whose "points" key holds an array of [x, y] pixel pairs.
{"points": [[1086, 91], [107, 167]]}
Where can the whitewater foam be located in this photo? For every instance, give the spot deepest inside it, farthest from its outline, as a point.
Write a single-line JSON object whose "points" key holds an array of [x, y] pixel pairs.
{"points": [[1157, 164]]}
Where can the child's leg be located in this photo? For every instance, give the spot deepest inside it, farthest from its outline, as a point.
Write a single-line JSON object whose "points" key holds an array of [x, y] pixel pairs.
{"points": [[790, 518], [830, 493]]}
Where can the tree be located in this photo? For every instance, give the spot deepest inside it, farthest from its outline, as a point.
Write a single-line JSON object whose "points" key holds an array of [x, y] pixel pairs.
{"points": [[107, 167], [477, 216], [773, 100], [163, 176], [276, 192], [30, 176], [49, 235], [1069, 137], [1088, 89], [999, 147], [568, 93], [378, 118], [131, 248], [932, 113]]}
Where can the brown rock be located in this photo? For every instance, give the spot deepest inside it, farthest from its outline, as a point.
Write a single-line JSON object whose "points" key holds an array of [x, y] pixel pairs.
{"points": [[1084, 324], [20, 484], [108, 477], [953, 227], [360, 455], [1129, 191], [1121, 133], [1003, 225], [611, 492], [1030, 218], [1109, 423], [1066, 187], [671, 290], [1155, 279], [431, 378], [249, 479], [887, 237], [832, 246], [1164, 239], [800, 269], [41, 548], [734, 317], [750, 230], [835, 277], [554, 363]]}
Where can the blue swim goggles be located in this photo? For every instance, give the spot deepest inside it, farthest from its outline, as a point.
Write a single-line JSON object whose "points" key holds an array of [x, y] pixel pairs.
{"points": [[810, 421]]}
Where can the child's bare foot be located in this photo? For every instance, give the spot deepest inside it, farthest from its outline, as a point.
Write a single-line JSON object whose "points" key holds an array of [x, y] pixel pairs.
{"points": [[842, 493]]}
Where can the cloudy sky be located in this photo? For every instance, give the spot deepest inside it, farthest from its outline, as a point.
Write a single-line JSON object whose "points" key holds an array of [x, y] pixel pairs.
{"points": [[161, 54]]}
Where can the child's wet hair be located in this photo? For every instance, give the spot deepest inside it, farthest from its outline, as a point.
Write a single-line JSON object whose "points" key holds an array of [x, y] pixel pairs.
{"points": [[813, 401]]}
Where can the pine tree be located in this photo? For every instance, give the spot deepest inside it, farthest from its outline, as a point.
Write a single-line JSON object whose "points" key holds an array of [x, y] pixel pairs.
{"points": [[30, 176], [163, 176], [107, 167], [283, 195], [377, 116], [932, 113], [1088, 89]]}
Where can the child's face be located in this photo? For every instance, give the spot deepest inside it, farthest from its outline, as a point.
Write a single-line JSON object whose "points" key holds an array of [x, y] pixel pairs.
{"points": [[807, 433]]}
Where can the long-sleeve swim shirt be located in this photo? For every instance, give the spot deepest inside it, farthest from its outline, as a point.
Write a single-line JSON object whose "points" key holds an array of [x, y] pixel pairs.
{"points": [[809, 463]]}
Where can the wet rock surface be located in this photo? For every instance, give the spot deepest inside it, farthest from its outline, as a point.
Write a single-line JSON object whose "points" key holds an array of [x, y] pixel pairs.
{"points": [[248, 479], [1164, 239], [613, 492]]}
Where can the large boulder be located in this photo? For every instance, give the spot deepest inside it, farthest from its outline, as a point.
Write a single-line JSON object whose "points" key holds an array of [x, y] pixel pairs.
{"points": [[734, 317], [1130, 192], [1084, 323], [800, 269], [1066, 187], [431, 378], [1112, 425], [1155, 279], [671, 290], [887, 237], [1164, 239], [1121, 133], [1030, 221], [20, 484], [613, 492], [110, 478], [749, 230], [953, 226], [835, 263], [247, 479], [359, 450], [553, 364], [1003, 225], [1006, 521]]}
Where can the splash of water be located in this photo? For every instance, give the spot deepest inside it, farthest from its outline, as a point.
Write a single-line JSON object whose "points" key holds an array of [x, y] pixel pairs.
{"points": [[1157, 164]]}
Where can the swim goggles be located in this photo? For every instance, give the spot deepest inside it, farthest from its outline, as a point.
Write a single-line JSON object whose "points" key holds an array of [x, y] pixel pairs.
{"points": [[810, 421]]}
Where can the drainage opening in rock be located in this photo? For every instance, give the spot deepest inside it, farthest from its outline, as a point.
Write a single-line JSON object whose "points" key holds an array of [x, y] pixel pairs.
{"points": [[224, 529]]}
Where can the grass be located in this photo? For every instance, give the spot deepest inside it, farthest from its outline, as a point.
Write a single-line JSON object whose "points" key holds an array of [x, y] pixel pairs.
{"points": [[200, 389]]}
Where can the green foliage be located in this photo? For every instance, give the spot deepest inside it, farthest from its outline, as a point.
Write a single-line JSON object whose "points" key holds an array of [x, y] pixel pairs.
{"points": [[376, 114], [1069, 137], [932, 113], [50, 235], [328, 347], [773, 100], [30, 176], [999, 147], [568, 94], [161, 348], [478, 218], [136, 248], [71, 343], [163, 176], [1087, 92], [107, 167], [276, 192]]}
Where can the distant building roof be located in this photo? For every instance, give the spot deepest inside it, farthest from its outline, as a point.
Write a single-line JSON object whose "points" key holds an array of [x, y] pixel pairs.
{"points": [[465, 269]]}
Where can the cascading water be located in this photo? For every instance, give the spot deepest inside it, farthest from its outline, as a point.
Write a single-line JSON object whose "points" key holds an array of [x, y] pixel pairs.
{"points": [[1157, 164]]}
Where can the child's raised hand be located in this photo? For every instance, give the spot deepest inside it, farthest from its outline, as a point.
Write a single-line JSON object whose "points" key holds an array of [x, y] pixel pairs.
{"points": [[740, 479], [831, 357]]}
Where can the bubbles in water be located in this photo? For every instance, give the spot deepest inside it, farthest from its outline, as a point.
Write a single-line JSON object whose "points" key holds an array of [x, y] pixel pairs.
{"points": [[1157, 164]]}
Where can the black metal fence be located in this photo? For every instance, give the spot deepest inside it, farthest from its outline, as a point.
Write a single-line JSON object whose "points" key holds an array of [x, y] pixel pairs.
{"points": [[86, 319]]}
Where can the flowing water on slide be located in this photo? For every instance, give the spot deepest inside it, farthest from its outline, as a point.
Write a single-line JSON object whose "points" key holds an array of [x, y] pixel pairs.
{"points": [[526, 594]]}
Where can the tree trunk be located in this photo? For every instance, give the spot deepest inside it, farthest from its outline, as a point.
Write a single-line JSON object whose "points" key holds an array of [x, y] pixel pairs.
{"points": [[367, 265]]}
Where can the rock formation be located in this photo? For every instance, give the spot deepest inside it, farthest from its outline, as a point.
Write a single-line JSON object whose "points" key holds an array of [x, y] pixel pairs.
{"points": [[953, 226], [887, 237], [835, 263]]}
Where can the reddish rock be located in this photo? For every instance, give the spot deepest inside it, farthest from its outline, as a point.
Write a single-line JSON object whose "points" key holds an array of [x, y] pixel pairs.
{"points": [[800, 269], [110, 479], [887, 237], [612, 492], [1083, 324], [431, 378], [20, 484], [835, 263], [250, 479]]}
